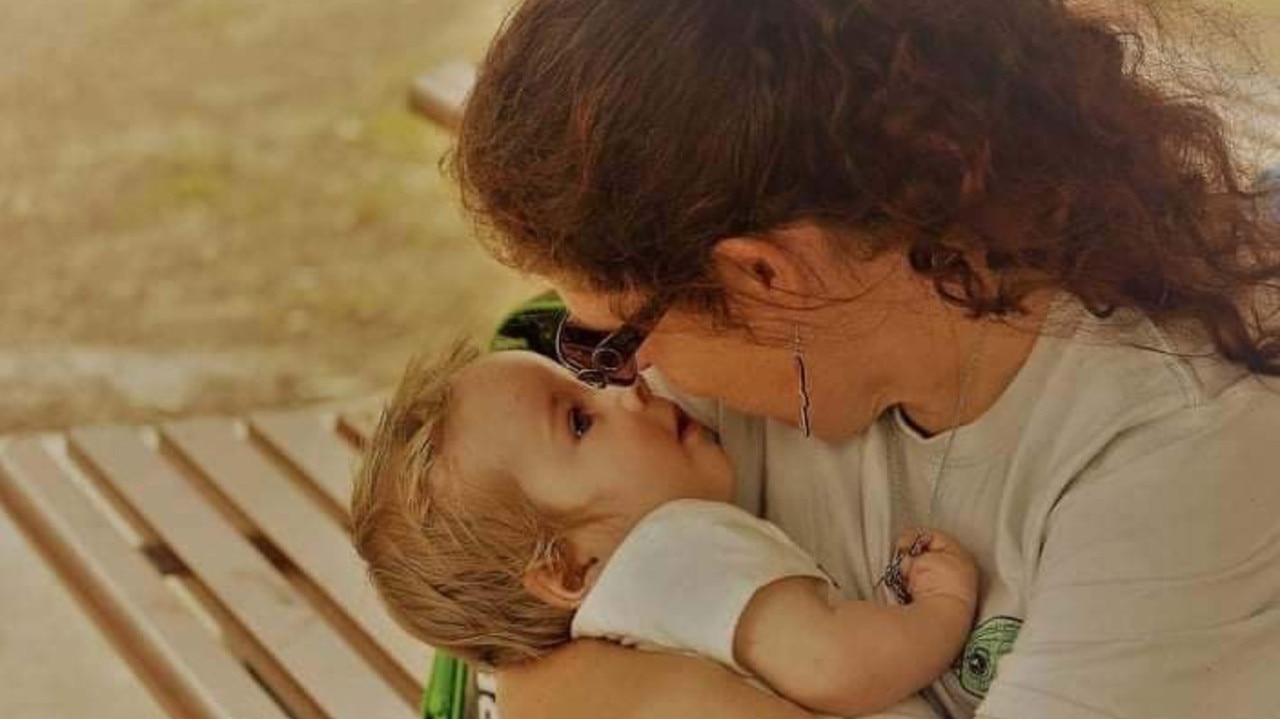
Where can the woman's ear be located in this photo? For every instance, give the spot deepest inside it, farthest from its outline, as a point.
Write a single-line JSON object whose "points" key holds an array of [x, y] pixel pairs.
{"points": [[559, 580], [770, 268]]}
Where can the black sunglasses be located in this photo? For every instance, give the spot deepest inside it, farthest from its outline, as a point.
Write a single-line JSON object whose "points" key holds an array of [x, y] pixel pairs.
{"points": [[601, 357]]}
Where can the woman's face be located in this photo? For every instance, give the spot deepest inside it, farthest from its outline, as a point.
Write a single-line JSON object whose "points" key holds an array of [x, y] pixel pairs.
{"points": [[747, 375], [859, 354]]}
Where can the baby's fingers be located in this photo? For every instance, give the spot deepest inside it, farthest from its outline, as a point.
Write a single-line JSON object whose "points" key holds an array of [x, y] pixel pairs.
{"points": [[943, 542], [914, 542]]}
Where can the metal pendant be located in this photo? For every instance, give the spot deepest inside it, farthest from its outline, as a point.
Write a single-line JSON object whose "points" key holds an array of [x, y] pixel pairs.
{"points": [[893, 576]]}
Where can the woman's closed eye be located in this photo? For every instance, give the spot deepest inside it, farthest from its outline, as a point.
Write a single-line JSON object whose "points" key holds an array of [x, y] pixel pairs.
{"points": [[580, 422]]}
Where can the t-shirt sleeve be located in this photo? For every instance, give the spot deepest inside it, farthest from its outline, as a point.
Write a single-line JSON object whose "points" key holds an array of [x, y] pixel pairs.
{"points": [[1158, 586], [682, 578]]}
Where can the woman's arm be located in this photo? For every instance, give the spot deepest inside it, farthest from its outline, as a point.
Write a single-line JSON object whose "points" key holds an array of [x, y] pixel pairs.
{"points": [[590, 679]]}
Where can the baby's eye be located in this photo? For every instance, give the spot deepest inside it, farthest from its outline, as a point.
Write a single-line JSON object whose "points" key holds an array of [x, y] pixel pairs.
{"points": [[579, 422]]}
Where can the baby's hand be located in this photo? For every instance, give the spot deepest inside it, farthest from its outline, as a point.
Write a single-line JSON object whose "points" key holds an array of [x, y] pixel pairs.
{"points": [[941, 567]]}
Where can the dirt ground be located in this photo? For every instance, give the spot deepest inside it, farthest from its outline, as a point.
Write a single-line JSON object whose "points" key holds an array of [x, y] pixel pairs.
{"points": [[212, 205], [217, 204]]}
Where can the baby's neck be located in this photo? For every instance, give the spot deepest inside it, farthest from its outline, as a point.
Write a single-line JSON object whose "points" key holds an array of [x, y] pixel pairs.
{"points": [[597, 541]]}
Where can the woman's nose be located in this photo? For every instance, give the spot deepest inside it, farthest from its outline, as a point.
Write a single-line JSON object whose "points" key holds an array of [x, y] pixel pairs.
{"points": [[643, 361]]}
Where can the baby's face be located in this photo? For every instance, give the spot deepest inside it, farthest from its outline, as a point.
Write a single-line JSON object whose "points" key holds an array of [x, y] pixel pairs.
{"points": [[615, 453]]}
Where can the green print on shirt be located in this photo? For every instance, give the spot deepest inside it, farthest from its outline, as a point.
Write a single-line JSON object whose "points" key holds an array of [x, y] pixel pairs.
{"points": [[993, 639]]}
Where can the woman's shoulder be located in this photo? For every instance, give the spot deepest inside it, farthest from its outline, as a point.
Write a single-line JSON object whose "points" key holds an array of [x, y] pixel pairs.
{"points": [[1230, 419], [1175, 370], [1180, 419], [1100, 377]]}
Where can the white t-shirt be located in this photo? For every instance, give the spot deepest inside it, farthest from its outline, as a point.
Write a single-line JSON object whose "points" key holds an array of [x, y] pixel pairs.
{"points": [[682, 578], [1123, 505]]}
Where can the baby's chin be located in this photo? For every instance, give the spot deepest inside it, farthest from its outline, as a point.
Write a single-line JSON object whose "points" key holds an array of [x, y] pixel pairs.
{"points": [[715, 489], [721, 479], [723, 491]]}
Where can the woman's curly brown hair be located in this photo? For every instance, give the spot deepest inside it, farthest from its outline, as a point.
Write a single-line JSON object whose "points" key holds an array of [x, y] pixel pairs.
{"points": [[615, 142]]}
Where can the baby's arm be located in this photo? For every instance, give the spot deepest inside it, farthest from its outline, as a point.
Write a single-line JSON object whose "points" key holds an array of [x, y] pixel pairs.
{"points": [[855, 657]]}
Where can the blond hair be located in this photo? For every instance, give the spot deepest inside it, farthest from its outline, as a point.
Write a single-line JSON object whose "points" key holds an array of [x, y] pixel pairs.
{"points": [[448, 554]]}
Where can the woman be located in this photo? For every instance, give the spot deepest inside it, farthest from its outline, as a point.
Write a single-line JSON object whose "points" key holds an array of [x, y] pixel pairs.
{"points": [[948, 264]]}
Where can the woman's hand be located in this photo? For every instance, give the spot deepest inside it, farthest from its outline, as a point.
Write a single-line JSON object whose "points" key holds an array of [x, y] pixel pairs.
{"points": [[589, 679]]}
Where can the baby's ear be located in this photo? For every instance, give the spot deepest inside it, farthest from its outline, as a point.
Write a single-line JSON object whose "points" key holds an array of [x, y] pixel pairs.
{"points": [[558, 578]]}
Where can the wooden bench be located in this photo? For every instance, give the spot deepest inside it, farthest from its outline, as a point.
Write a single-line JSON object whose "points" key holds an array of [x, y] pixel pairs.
{"points": [[214, 554], [439, 94]]}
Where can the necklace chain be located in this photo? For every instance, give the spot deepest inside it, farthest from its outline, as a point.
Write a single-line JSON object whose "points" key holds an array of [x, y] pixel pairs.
{"points": [[893, 576], [897, 472]]}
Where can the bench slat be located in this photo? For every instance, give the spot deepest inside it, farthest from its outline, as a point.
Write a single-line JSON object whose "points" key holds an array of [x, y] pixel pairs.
{"points": [[361, 421], [309, 442], [308, 536], [271, 612], [440, 94], [187, 669]]}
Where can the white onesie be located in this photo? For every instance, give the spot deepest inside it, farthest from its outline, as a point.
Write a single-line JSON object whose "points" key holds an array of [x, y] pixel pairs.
{"points": [[683, 576]]}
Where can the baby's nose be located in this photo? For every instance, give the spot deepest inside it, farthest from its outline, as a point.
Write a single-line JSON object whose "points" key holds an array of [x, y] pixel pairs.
{"points": [[638, 395]]}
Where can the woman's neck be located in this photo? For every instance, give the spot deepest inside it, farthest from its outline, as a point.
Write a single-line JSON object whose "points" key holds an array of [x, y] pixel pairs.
{"points": [[974, 362]]}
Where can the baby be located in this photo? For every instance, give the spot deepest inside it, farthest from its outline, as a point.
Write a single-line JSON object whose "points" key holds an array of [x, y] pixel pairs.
{"points": [[504, 508]]}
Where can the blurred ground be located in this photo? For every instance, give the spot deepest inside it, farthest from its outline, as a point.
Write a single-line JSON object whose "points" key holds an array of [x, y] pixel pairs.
{"points": [[208, 205], [216, 204]]}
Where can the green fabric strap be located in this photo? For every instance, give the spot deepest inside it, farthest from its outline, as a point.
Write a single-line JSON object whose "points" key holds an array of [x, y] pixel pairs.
{"points": [[531, 326], [446, 693]]}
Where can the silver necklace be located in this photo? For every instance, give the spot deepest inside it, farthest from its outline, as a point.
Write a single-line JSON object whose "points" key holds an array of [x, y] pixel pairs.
{"points": [[893, 577]]}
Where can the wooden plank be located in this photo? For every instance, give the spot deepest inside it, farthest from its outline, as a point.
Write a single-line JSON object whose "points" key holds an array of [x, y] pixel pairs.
{"points": [[439, 95], [360, 421], [188, 671], [306, 442], [312, 541], [55, 655], [326, 670]]}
